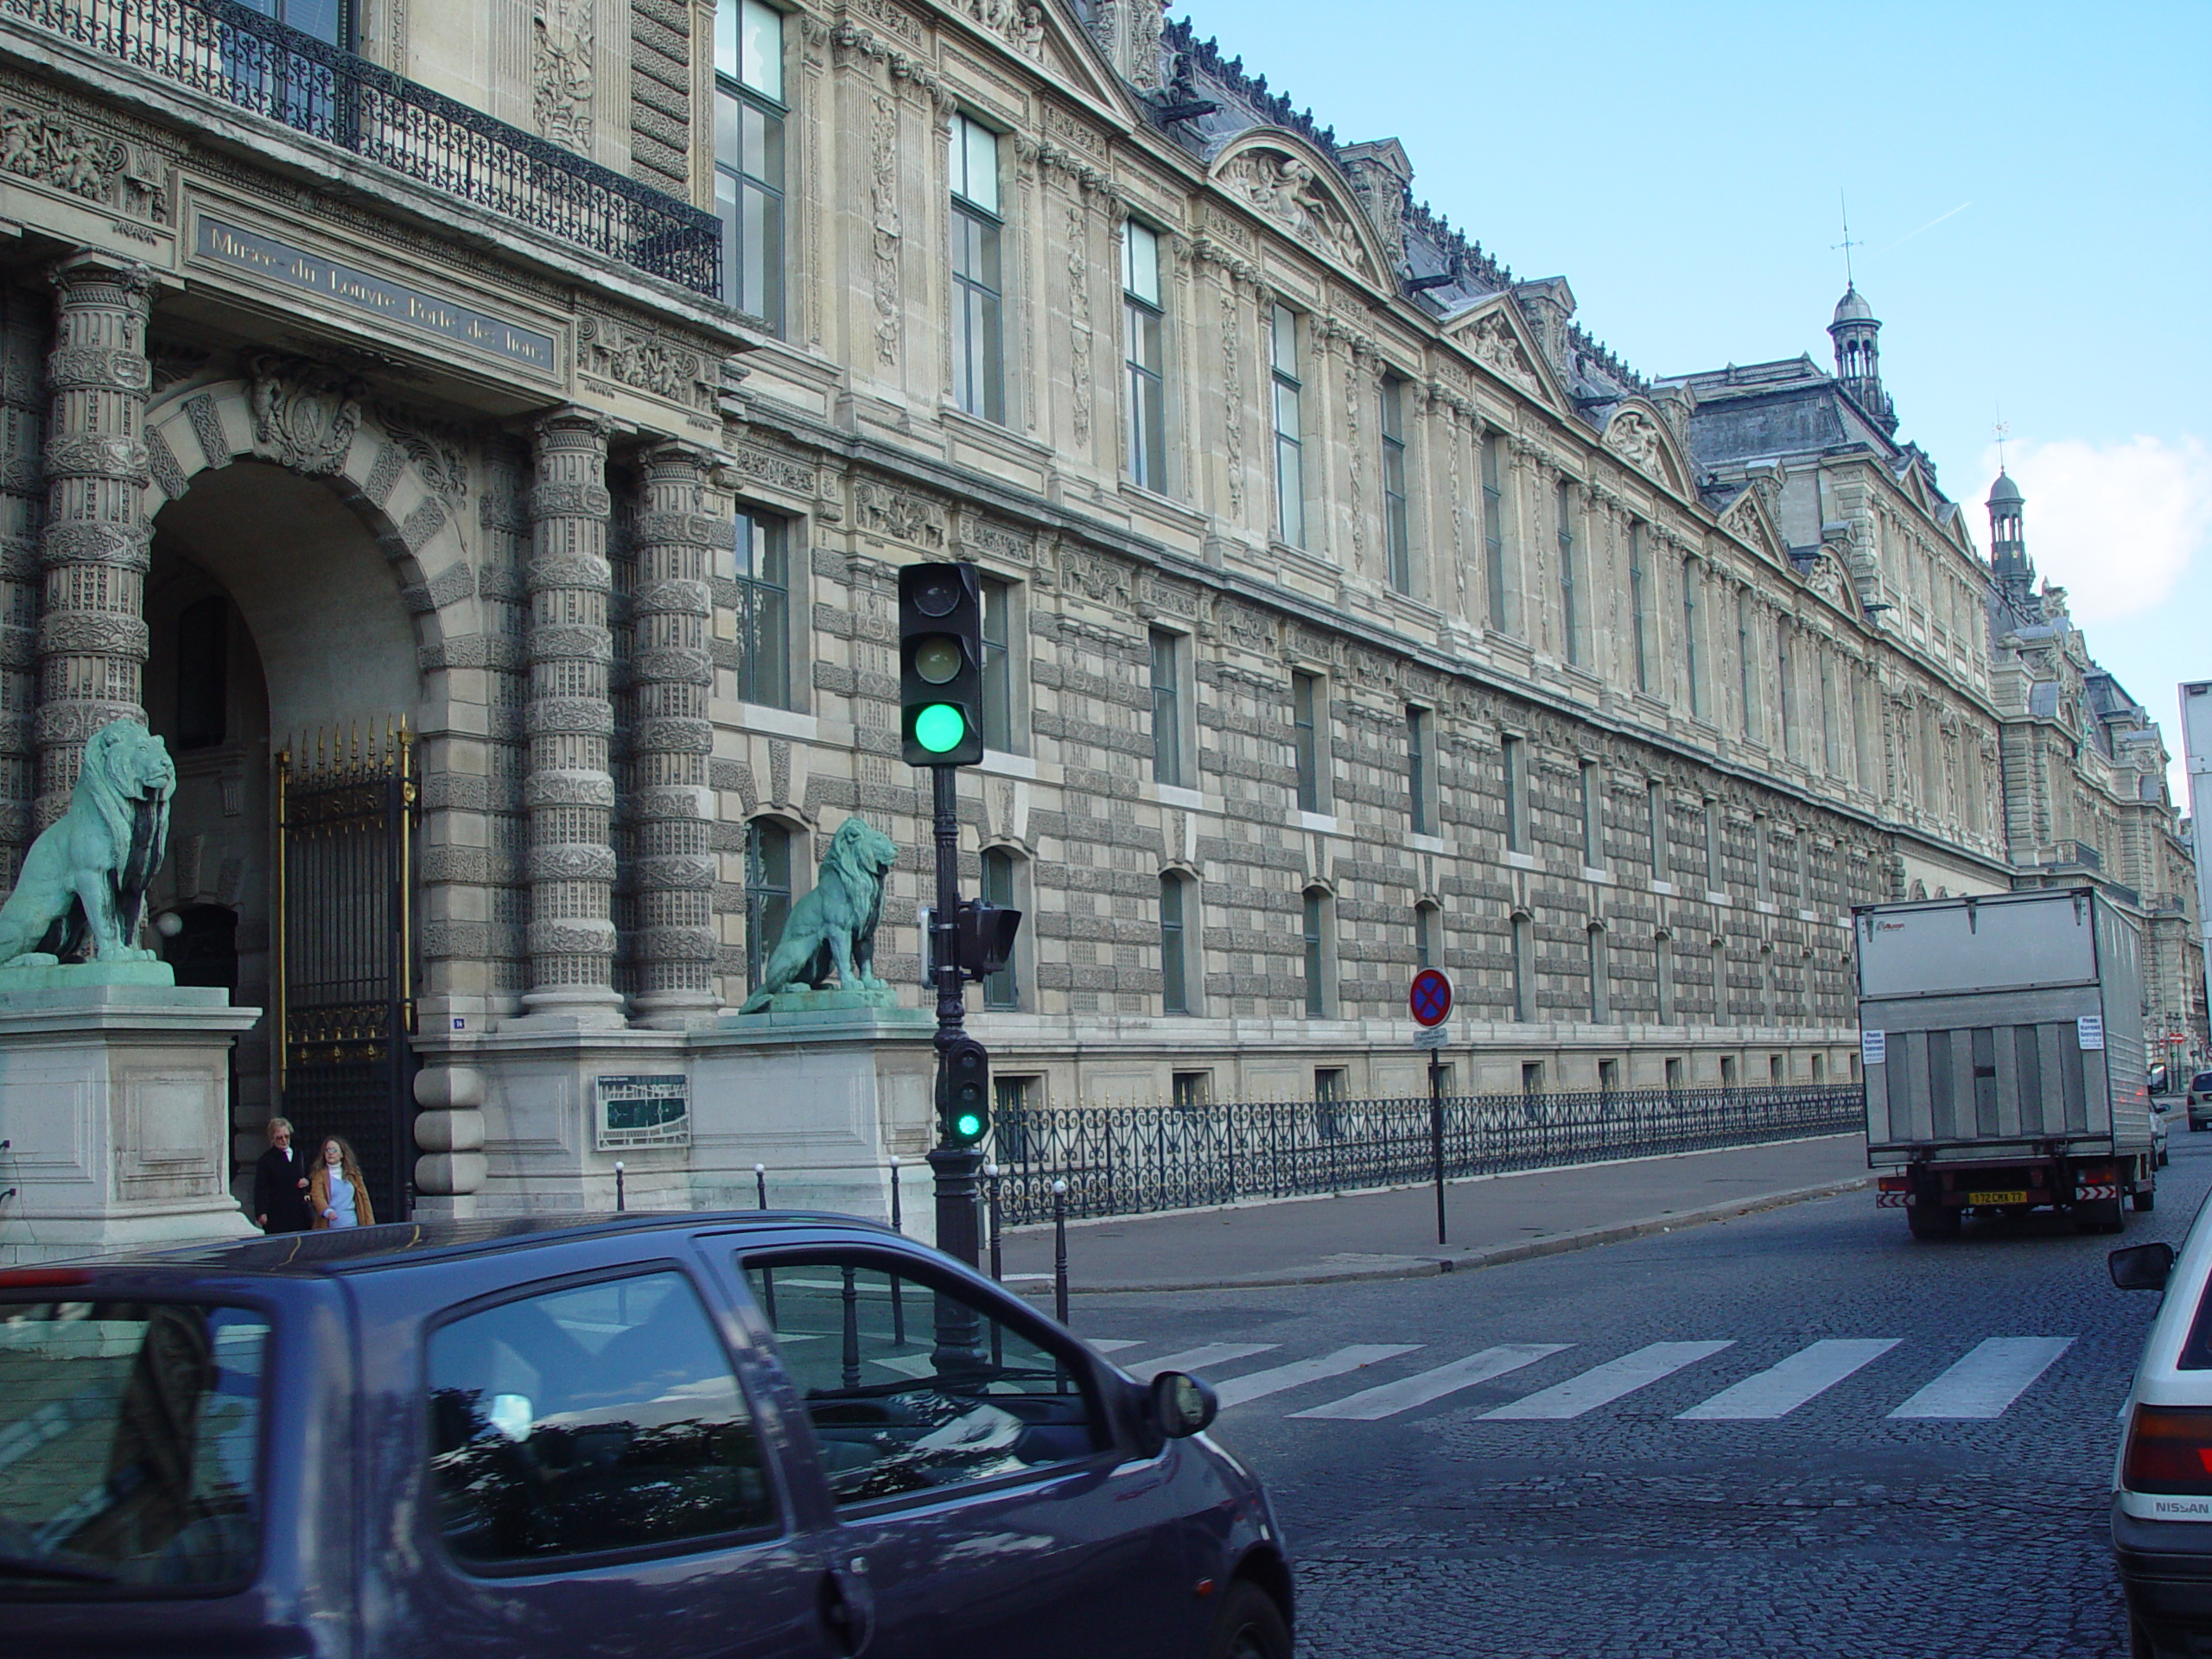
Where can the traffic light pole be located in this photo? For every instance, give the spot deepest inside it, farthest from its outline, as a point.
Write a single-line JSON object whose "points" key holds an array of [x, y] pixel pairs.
{"points": [[955, 1168]]}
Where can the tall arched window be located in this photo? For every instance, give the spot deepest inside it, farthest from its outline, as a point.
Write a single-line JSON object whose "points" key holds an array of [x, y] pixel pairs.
{"points": [[1428, 936], [768, 893], [1178, 939], [1601, 990], [1524, 967], [1317, 945], [1003, 989]]}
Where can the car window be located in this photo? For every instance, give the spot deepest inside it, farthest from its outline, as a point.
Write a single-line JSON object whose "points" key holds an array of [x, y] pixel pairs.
{"points": [[2202, 1083], [601, 1416], [912, 1389], [128, 1437]]}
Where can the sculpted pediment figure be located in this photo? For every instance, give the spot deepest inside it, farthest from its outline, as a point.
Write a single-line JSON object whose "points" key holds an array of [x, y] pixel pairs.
{"points": [[1281, 184]]}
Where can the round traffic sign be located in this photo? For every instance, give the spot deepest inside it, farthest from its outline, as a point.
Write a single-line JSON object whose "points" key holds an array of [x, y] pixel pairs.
{"points": [[1431, 997]]}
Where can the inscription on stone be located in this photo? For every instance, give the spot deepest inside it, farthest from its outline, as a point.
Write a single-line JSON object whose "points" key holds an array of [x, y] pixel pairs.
{"points": [[374, 296]]}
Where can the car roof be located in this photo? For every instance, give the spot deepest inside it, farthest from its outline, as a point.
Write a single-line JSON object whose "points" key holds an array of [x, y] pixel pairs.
{"points": [[353, 1250]]}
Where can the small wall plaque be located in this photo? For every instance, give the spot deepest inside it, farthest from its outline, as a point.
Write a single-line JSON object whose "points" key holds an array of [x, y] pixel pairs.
{"points": [[644, 1111]]}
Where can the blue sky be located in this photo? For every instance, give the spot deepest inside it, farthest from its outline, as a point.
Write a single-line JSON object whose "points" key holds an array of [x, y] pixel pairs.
{"points": [[2030, 183]]}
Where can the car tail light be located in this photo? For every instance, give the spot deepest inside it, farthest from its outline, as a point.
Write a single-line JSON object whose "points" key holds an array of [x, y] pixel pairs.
{"points": [[43, 1278], [2168, 1451]]}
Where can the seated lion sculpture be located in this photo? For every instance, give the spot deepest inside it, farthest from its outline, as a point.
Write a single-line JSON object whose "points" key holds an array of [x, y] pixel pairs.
{"points": [[834, 926], [83, 883]]}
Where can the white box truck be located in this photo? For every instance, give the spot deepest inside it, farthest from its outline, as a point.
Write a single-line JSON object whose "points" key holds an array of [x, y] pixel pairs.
{"points": [[2001, 1045]]}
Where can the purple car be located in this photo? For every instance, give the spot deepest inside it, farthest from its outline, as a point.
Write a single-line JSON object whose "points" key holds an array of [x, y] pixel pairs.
{"points": [[729, 1435]]}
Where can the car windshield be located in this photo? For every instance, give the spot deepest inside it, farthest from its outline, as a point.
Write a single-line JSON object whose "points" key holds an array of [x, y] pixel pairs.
{"points": [[128, 1434], [2202, 1083]]}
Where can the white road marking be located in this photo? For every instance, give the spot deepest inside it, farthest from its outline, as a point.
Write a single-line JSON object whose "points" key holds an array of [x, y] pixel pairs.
{"points": [[1200, 1359], [1387, 1401], [1114, 1345], [1237, 1390], [1990, 1378], [1781, 1388], [1602, 1384]]}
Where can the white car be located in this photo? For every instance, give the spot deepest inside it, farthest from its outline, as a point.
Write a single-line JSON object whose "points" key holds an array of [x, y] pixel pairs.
{"points": [[2162, 1480]]}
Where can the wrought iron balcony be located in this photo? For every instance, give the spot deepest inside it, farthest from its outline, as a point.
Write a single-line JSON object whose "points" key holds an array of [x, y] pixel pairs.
{"points": [[234, 55]]}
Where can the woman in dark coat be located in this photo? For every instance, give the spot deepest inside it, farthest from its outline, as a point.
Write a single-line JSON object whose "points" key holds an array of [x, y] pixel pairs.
{"points": [[280, 1184]]}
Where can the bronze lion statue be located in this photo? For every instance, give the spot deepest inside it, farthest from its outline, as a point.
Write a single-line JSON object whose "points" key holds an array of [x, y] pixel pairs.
{"points": [[833, 928], [83, 884]]}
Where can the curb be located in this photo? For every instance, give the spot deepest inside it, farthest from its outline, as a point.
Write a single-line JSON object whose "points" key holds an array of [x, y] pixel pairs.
{"points": [[1426, 1267]]}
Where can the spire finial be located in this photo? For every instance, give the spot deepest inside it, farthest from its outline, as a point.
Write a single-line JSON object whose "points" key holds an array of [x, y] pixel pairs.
{"points": [[1847, 243], [2004, 430]]}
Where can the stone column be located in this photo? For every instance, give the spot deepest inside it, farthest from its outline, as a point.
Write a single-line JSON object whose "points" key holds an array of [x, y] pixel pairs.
{"points": [[671, 807], [569, 792], [91, 636]]}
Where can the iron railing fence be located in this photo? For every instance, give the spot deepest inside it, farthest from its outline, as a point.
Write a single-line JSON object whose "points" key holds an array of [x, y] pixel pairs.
{"points": [[234, 54], [1130, 1160]]}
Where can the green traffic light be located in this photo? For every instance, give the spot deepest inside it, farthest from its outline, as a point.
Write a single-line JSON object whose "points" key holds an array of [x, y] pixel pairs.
{"points": [[940, 727], [967, 1126]]}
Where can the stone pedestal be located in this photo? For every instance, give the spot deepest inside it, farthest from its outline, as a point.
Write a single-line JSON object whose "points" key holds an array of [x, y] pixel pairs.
{"points": [[115, 1107]]}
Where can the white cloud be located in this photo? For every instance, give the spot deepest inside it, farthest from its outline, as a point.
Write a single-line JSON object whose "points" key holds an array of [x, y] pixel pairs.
{"points": [[2115, 524]]}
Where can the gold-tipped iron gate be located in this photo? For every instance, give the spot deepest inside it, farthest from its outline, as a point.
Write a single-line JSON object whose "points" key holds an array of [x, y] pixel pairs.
{"points": [[347, 808]]}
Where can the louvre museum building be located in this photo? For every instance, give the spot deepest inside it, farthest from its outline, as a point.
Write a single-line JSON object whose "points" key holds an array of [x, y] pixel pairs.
{"points": [[481, 439]]}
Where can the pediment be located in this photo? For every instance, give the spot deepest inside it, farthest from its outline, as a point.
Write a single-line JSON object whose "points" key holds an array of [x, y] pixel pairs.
{"points": [[1284, 180], [1747, 520], [1042, 33], [1496, 336], [1640, 436]]}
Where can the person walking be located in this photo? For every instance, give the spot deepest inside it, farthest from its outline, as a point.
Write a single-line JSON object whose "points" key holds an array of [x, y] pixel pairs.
{"points": [[336, 1193], [280, 1184]]}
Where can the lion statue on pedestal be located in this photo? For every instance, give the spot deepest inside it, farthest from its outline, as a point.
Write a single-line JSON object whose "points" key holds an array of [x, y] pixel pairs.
{"points": [[834, 926], [83, 884]]}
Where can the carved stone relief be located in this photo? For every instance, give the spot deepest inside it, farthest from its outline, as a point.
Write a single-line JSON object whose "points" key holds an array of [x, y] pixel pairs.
{"points": [[1635, 437], [49, 149], [1020, 26], [1494, 344], [883, 202], [1079, 226], [564, 38], [645, 361], [1232, 379], [303, 413], [1286, 190], [899, 515]]}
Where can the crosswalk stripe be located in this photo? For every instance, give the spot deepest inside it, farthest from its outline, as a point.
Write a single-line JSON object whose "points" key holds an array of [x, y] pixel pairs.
{"points": [[1996, 1373], [1781, 1388], [1370, 1405], [1238, 1389], [1602, 1384], [1201, 1358], [1114, 1345]]}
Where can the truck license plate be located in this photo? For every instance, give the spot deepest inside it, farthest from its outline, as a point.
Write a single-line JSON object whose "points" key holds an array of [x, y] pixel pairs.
{"points": [[1997, 1198]]}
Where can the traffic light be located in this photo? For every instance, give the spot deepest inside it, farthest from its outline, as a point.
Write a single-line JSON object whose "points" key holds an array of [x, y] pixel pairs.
{"points": [[983, 937], [941, 664], [964, 1094]]}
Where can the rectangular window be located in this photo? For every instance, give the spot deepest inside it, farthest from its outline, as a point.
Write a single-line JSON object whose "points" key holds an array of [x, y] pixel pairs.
{"points": [[1609, 1077], [978, 366], [1429, 944], [998, 665], [1146, 362], [1664, 947], [1728, 1070], [1746, 673], [1316, 942], [1003, 989], [764, 611], [1494, 530], [1594, 817], [1397, 526], [1329, 1084], [1692, 640], [749, 115], [1517, 794], [1786, 702], [1673, 1071], [1712, 878], [1829, 757], [1192, 1090], [1569, 613], [1306, 708], [1422, 809], [1524, 969], [1532, 1076], [1657, 797], [1175, 987], [1290, 463], [1167, 708], [1763, 860], [1601, 993], [768, 893], [1639, 606]]}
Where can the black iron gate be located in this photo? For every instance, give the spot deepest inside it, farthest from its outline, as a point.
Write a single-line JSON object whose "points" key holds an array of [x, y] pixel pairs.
{"points": [[347, 806]]}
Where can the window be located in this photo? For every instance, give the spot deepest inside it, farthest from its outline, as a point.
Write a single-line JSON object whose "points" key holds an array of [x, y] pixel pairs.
{"points": [[1516, 757], [1329, 1084], [978, 367], [1167, 708], [1674, 1075], [1174, 948], [1609, 1077], [768, 893], [131, 1430], [764, 611], [1762, 859], [1594, 817], [1420, 804], [1829, 757], [1011, 1098], [1785, 701], [1713, 871], [1569, 613], [1664, 947], [1191, 1089], [1494, 530], [1290, 466], [998, 665], [1141, 322], [1656, 800], [1003, 989], [203, 664], [600, 1417], [1728, 1070], [1524, 968], [1746, 675], [1694, 638], [1308, 707], [749, 112], [1777, 1071], [1397, 528], [1532, 1076], [1820, 1068], [1428, 941], [1639, 606], [916, 1385], [1601, 990], [1316, 939]]}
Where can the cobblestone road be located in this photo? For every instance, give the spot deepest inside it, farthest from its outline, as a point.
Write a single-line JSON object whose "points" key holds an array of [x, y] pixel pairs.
{"points": [[1914, 1463]]}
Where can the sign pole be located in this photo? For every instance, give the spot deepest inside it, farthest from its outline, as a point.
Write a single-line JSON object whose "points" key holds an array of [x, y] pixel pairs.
{"points": [[1429, 999], [1436, 1133]]}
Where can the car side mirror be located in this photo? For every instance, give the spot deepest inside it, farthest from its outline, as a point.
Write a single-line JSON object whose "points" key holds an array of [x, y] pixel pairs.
{"points": [[1181, 1405], [2141, 1267]]}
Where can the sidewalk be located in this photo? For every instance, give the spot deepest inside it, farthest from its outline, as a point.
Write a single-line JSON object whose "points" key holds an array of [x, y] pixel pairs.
{"points": [[1393, 1235]]}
